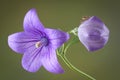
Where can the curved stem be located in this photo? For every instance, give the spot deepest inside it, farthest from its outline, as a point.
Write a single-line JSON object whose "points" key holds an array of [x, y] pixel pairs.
{"points": [[75, 40], [62, 54], [68, 64], [76, 69]]}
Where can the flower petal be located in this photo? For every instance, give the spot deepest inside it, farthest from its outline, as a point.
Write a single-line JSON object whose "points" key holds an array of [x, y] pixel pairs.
{"points": [[93, 34], [31, 60], [56, 37], [50, 62], [19, 42], [32, 22]]}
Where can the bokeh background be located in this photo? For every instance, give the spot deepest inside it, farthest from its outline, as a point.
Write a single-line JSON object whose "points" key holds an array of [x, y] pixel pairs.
{"points": [[64, 14]]}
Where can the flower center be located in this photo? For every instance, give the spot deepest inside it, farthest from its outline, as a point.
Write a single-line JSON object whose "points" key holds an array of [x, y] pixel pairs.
{"points": [[43, 42]]}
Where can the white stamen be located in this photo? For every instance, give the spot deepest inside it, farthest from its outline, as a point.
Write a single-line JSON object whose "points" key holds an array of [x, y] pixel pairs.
{"points": [[37, 44]]}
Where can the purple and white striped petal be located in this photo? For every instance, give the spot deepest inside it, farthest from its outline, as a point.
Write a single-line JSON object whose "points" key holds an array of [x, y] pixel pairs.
{"points": [[31, 60], [50, 62], [19, 42], [56, 37], [32, 23]]}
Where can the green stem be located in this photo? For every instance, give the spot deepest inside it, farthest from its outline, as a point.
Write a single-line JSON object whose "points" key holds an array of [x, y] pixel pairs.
{"points": [[62, 54], [75, 40], [76, 69], [68, 64]]}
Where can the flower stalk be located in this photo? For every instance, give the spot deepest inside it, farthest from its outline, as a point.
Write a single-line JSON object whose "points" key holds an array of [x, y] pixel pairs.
{"points": [[76, 69], [62, 53]]}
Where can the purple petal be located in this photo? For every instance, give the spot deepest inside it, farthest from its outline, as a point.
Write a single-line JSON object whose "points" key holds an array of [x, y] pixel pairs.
{"points": [[50, 62], [32, 22], [57, 37], [31, 60], [19, 42], [93, 34]]}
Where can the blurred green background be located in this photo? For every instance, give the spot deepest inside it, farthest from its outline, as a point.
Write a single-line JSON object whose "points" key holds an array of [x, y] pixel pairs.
{"points": [[64, 14]]}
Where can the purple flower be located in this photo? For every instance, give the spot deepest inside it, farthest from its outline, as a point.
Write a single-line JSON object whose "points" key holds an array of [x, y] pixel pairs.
{"points": [[93, 33], [38, 44]]}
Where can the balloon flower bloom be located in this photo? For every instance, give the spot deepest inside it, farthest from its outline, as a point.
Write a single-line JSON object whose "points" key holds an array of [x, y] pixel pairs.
{"points": [[93, 33], [38, 44]]}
